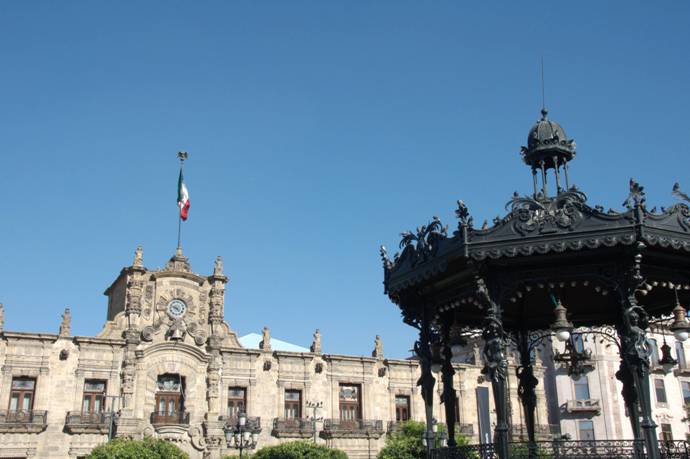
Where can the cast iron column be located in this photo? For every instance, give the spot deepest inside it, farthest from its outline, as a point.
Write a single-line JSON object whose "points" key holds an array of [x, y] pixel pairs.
{"points": [[449, 392], [635, 350], [495, 366], [635, 355], [426, 380], [527, 384], [630, 397]]}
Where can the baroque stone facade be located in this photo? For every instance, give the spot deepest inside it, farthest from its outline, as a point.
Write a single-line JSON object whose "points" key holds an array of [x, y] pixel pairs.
{"points": [[167, 365]]}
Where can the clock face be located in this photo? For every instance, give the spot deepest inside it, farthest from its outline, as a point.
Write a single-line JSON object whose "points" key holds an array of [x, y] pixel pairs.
{"points": [[177, 308]]}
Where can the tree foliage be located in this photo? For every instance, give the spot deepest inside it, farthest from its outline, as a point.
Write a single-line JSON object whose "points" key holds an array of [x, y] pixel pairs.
{"points": [[299, 450], [406, 443], [148, 448]]}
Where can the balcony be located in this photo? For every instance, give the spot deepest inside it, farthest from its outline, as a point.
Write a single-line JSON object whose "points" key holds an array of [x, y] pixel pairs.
{"points": [[355, 428], [464, 429], [583, 406], [682, 370], [293, 428], [23, 421], [165, 418], [77, 422], [542, 432]]}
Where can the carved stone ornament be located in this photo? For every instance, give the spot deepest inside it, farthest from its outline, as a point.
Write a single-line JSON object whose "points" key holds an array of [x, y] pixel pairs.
{"points": [[378, 348], [265, 343], [267, 365], [138, 258], [66, 324], [316, 343], [318, 368], [197, 437]]}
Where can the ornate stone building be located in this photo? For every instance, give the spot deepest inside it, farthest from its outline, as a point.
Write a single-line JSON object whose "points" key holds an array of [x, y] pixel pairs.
{"points": [[168, 365]]}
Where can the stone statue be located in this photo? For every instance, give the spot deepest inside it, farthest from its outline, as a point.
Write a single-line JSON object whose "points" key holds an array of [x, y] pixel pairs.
{"points": [[66, 324], [138, 258], [2, 318], [316, 344], [218, 266], [265, 343], [378, 348]]}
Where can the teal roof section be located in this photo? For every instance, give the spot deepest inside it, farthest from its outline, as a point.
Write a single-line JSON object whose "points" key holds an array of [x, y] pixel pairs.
{"points": [[252, 340]]}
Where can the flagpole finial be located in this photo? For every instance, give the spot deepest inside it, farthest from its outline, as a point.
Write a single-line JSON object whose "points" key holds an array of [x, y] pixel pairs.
{"points": [[182, 155]]}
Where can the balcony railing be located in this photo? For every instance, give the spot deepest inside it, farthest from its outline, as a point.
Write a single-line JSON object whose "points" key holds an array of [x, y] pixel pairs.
{"points": [[253, 424], [78, 422], [541, 431], [164, 418], [30, 421], [293, 428], [463, 428], [355, 428], [583, 406]]}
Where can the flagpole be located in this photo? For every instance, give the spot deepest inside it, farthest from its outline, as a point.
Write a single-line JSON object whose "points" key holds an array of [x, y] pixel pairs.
{"points": [[182, 155]]}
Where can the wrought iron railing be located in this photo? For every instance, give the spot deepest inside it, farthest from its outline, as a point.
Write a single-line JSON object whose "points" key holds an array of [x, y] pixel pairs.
{"points": [[159, 418], [23, 417], [293, 426], [352, 427], [567, 449], [80, 418]]}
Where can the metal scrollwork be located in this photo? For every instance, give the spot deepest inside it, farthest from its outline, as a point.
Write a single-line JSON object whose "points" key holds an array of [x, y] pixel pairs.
{"points": [[463, 214], [564, 211], [423, 244]]}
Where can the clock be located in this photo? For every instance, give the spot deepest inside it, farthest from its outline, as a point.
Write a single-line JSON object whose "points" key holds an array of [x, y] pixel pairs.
{"points": [[177, 308]]}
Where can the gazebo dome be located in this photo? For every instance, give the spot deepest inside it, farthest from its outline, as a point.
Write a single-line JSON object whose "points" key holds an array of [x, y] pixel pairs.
{"points": [[547, 142]]}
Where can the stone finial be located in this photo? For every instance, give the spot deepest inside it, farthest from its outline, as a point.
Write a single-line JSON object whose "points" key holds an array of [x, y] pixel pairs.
{"points": [[265, 343], [316, 343], [2, 318], [138, 258], [218, 266], [378, 348], [66, 324]]}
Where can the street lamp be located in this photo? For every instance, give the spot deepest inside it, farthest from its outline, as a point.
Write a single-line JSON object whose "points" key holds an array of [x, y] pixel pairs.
{"points": [[314, 406], [680, 326], [561, 326], [239, 436], [433, 438]]}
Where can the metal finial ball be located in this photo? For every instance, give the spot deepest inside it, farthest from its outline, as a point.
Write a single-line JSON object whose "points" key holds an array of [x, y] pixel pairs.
{"points": [[182, 155]]}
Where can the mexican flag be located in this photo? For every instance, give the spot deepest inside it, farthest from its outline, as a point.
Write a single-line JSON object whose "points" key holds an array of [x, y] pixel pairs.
{"points": [[182, 198]]}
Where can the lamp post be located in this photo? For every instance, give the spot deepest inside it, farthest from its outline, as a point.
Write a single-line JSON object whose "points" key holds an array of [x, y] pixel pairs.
{"points": [[111, 421], [433, 438], [314, 406], [240, 436]]}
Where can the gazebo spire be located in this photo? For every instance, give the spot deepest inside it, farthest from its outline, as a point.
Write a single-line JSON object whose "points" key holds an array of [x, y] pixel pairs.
{"points": [[548, 147]]}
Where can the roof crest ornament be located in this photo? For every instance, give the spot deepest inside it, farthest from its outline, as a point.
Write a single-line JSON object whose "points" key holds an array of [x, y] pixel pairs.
{"points": [[423, 243], [218, 266], [636, 198]]}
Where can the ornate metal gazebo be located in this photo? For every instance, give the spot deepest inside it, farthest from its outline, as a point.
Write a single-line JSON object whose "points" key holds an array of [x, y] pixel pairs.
{"points": [[552, 264]]}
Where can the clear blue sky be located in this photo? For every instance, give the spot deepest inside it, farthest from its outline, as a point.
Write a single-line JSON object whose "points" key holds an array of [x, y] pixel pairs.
{"points": [[316, 131]]}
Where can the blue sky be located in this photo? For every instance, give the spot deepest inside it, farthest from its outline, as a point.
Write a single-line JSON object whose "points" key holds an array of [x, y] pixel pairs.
{"points": [[317, 130]]}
